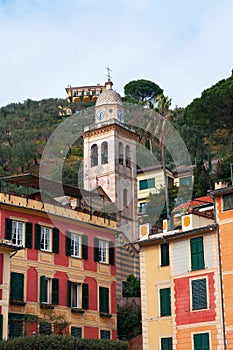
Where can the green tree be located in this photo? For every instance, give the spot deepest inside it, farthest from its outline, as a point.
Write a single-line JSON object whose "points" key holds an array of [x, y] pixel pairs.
{"points": [[132, 287], [129, 321], [142, 90], [202, 180]]}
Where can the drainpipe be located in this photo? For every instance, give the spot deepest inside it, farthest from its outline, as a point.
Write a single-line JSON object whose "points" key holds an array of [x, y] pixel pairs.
{"points": [[221, 288]]}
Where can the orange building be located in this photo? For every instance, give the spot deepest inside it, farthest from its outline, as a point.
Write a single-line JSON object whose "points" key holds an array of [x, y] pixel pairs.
{"points": [[88, 93]]}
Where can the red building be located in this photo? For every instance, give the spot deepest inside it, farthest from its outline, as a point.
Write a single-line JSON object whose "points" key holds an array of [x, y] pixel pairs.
{"points": [[66, 269]]}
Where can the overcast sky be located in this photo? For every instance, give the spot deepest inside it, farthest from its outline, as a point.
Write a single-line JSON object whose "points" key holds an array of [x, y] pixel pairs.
{"points": [[184, 46]]}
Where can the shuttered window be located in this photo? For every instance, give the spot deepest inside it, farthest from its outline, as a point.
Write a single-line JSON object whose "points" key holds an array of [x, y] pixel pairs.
{"points": [[47, 239], [104, 251], [17, 286], [15, 329], [228, 201], [165, 302], [103, 299], [197, 253], [19, 232], [164, 250], [201, 341], [49, 290], [45, 328], [76, 332], [166, 343], [104, 334], [73, 295], [199, 294], [76, 245]]}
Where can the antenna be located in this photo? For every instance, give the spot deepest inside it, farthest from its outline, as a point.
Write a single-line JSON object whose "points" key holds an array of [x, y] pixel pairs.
{"points": [[108, 73]]}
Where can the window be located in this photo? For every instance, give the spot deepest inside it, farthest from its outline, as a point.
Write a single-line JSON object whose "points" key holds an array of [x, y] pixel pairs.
{"points": [[47, 239], [76, 332], [76, 245], [45, 328], [104, 153], [127, 156], [49, 290], [17, 287], [94, 155], [15, 325], [104, 299], [125, 199], [186, 181], [77, 295], [199, 294], [165, 302], [166, 343], [19, 232], [121, 153], [104, 334], [146, 184], [197, 253], [228, 201], [164, 252], [104, 251], [201, 341]]}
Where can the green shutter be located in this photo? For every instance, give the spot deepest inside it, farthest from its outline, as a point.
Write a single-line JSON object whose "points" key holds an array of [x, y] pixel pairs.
{"points": [[197, 253], [15, 329], [69, 285], [104, 299], [85, 299], [201, 341], [96, 249], [1, 326], [28, 243], [199, 294], [164, 254], [165, 302], [45, 328], [104, 334], [111, 253], [55, 291], [76, 332], [166, 344], [37, 236], [42, 289], [68, 244], [17, 286], [85, 247], [55, 240], [8, 229]]}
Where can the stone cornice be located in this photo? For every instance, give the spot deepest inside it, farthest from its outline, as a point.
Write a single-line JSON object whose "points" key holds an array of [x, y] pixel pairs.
{"points": [[108, 128]]}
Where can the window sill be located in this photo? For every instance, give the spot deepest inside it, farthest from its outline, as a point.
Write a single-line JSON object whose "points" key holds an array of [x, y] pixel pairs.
{"points": [[77, 310], [105, 314], [46, 306], [17, 302]]}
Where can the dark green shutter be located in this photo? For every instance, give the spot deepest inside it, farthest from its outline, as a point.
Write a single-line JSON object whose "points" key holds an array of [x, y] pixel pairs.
{"points": [[55, 240], [104, 299], [68, 244], [69, 285], [55, 291], [85, 247], [165, 302], [197, 253], [28, 242], [17, 286], [201, 341], [164, 254], [104, 334], [85, 299], [45, 328], [166, 344], [8, 229], [1, 326], [111, 253], [76, 332], [37, 236], [96, 249], [42, 289], [199, 294]]}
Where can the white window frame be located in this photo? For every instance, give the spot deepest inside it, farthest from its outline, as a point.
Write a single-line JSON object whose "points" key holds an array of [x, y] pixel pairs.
{"points": [[75, 245], [103, 251], [18, 230], [76, 288], [45, 239], [201, 332], [207, 294]]}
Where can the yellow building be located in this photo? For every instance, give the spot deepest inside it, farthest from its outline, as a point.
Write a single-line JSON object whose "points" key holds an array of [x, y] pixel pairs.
{"points": [[86, 93]]}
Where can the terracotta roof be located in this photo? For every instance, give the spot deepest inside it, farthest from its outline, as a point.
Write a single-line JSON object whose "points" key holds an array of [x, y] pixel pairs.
{"points": [[196, 202]]}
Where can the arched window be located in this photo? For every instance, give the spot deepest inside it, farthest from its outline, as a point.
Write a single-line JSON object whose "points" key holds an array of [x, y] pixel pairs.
{"points": [[121, 153], [94, 155], [125, 199], [127, 156], [104, 153]]}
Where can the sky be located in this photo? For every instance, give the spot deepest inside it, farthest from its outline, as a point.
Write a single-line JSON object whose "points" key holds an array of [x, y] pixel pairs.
{"points": [[45, 45]]}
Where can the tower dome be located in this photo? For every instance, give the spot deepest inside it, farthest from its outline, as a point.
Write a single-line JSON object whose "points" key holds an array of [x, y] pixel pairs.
{"points": [[109, 96]]}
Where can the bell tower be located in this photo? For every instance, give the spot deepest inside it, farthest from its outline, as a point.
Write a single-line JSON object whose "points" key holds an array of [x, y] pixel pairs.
{"points": [[110, 159]]}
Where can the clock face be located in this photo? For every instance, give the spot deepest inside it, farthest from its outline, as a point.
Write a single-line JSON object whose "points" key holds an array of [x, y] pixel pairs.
{"points": [[120, 114], [100, 115]]}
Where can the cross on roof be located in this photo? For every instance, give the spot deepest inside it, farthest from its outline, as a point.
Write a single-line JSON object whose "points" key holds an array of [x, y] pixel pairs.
{"points": [[108, 72]]}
